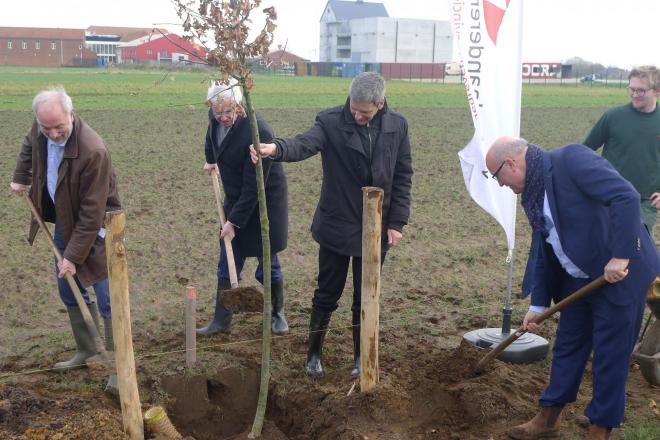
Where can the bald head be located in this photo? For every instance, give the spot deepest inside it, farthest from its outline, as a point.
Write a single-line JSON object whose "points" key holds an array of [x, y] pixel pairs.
{"points": [[505, 161], [507, 146]]}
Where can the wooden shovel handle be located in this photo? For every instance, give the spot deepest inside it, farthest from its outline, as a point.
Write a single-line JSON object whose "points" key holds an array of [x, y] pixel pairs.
{"points": [[233, 277], [82, 305], [539, 319]]}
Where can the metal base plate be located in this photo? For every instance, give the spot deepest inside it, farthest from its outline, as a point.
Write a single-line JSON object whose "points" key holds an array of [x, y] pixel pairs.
{"points": [[526, 349]]}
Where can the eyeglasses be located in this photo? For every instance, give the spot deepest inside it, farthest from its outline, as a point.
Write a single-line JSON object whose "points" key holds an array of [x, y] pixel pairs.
{"points": [[226, 114], [640, 92], [497, 171]]}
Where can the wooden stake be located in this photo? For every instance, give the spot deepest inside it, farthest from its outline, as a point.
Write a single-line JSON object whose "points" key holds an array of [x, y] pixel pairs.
{"points": [[372, 214], [191, 340], [129, 397]]}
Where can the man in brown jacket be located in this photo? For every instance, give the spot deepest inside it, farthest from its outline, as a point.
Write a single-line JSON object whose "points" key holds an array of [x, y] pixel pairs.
{"points": [[65, 166]]}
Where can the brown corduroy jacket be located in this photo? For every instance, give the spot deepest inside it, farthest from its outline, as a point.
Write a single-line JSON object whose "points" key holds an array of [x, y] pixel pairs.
{"points": [[86, 189]]}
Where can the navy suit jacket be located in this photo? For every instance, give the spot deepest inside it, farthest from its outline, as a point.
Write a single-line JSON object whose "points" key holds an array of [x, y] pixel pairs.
{"points": [[597, 216]]}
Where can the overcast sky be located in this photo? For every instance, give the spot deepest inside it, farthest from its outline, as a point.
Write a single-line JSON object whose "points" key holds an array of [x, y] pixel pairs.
{"points": [[611, 32]]}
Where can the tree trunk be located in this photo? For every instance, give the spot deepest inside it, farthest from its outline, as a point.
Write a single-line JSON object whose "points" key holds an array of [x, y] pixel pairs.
{"points": [[258, 422]]}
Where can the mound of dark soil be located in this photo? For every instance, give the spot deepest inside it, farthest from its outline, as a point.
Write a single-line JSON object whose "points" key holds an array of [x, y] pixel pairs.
{"points": [[424, 392], [38, 414], [434, 394]]}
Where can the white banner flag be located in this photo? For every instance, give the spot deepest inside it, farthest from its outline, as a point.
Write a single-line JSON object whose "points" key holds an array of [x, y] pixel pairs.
{"points": [[488, 35]]}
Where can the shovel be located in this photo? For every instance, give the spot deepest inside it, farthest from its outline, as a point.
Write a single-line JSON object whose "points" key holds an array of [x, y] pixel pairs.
{"points": [[539, 319], [100, 348], [244, 299]]}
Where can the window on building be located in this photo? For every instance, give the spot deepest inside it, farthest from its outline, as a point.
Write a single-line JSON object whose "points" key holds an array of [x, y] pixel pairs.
{"points": [[23, 44], [149, 52], [163, 54], [10, 44], [37, 44], [53, 45], [343, 53], [343, 41]]}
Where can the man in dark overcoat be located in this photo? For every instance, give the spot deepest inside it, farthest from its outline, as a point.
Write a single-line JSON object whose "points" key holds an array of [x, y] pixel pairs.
{"points": [[362, 143]]}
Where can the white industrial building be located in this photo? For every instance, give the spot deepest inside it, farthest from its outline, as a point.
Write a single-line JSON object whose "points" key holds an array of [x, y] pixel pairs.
{"points": [[362, 32]]}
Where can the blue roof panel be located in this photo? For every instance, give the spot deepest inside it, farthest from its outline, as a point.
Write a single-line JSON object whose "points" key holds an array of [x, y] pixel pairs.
{"points": [[348, 10]]}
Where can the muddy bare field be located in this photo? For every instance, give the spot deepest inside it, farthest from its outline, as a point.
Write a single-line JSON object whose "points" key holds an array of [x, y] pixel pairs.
{"points": [[447, 277]]}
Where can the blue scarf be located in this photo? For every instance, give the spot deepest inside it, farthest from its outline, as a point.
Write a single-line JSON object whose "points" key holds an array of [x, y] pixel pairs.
{"points": [[532, 196]]}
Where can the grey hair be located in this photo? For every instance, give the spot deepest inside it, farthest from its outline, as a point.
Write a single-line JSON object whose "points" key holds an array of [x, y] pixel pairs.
{"points": [[53, 94], [367, 87], [225, 91]]}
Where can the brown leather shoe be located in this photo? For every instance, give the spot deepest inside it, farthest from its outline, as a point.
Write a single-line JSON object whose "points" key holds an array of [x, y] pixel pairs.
{"points": [[545, 424], [598, 433]]}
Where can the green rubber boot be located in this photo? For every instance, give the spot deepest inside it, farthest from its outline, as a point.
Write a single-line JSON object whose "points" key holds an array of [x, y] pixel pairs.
{"points": [[84, 340]]}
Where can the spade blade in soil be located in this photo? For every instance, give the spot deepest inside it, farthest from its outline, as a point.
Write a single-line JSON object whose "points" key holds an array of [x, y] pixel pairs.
{"points": [[243, 299]]}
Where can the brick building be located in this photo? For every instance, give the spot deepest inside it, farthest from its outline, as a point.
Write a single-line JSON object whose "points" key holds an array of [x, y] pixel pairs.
{"points": [[50, 47], [284, 59]]}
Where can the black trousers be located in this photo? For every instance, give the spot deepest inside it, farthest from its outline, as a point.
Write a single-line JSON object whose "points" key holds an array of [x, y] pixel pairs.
{"points": [[333, 270]]}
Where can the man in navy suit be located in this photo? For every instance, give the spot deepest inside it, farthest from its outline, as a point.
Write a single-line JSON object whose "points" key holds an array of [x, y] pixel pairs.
{"points": [[586, 221]]}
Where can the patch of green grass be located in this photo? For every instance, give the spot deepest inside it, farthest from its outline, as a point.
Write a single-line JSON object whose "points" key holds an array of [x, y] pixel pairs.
{"points": [[131, 89], [642, 433]]}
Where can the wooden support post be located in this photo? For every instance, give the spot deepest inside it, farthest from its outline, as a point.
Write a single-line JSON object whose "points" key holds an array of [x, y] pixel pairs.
{"points": [[129, 397], [372, 213], [191, 333]]}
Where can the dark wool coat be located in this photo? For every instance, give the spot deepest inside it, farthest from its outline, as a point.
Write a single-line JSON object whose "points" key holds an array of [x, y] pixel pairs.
{"points": [[337, 223], [596, 214], [86, 189], [238, 175]]}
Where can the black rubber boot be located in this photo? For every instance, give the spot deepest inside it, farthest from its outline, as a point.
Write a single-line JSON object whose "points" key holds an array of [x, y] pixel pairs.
{"points": [[318, 327], [222, 317], [278, 320], [356, 344], [84, 340]]}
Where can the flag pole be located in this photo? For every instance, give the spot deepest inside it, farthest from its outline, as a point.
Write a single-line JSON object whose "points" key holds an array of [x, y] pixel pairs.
{"points": [[507, 310]]}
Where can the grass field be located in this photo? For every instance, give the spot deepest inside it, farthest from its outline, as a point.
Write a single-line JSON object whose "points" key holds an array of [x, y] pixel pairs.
{"points": [[450, 265], [114, 89]]}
